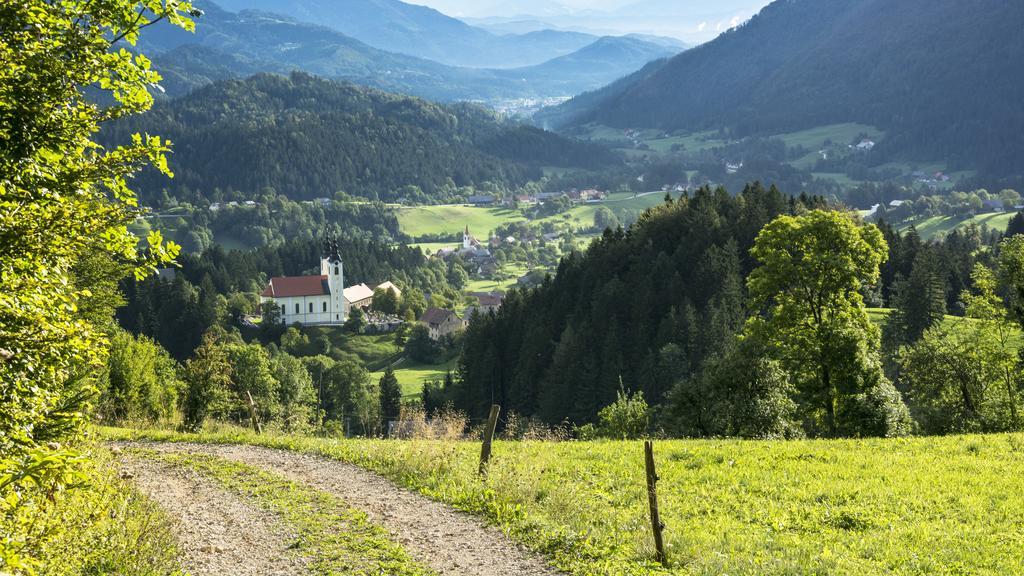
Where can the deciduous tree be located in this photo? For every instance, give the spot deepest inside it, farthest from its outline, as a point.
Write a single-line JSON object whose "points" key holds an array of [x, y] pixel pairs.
{"points": [[813, 270]]}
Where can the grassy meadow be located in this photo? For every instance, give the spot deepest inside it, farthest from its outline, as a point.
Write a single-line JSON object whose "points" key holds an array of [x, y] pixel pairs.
{"points": [[948, 505], [937, 226], [422, 220], [413, 375]]}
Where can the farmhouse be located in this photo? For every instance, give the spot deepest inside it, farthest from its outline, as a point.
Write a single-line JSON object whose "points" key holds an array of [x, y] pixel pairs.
{"points": [[441, 323]]}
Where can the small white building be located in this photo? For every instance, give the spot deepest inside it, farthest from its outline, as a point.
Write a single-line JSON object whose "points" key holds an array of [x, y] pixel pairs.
{"points": [[359, 296], [311, 300]]}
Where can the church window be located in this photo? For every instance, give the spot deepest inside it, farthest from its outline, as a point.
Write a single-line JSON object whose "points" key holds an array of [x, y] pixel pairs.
{"points": [[310, 307], [284, 311], [336, 271], [297, 308], [325, 306]]}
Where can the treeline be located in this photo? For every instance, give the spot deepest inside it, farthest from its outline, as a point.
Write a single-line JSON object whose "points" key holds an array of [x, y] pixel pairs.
{"points": [[197, 223], [304, 137], [248, 384], [725, 313]]}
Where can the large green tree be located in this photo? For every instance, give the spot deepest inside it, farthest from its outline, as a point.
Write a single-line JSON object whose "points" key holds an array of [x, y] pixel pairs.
{"points": [[813, 270], [62, 197], [964, 377]]}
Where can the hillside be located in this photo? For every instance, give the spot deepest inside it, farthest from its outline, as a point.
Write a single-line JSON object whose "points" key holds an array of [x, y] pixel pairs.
{"points": [[424, 32], [307, 137], [940, 77], [608, 57], [231, 45]]}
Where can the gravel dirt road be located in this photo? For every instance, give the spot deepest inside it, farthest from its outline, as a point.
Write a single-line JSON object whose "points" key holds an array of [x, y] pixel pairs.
{"points": [[219, 532], [449, 542]]}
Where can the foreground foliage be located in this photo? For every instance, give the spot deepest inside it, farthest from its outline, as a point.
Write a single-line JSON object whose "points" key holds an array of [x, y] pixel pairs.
{"points": [[917, 506], [64, 209], [83, 521]]}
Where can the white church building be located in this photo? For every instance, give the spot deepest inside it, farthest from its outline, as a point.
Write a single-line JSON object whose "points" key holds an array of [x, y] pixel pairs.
{"points": [[312, 300]]}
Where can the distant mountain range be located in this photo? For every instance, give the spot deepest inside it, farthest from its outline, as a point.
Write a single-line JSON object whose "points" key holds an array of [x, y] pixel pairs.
{"points": [[306, 137], [692, 21], [941, 77], [228, 44], [423, 32]]}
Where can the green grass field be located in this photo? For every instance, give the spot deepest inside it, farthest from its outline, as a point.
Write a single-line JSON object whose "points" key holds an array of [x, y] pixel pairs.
{"points": [[421, 220], [412, 376], [840, 134], [949, 505], [938, 226]]}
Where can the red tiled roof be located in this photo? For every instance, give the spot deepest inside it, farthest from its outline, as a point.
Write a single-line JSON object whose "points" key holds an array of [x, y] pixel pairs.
{"points": [[296, 286]]}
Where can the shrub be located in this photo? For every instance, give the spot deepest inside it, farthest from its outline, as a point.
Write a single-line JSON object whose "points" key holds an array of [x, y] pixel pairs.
{"points": [[626, 418]]}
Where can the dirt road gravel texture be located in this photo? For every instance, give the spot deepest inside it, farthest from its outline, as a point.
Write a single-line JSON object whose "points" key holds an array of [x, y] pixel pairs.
{"points": [[445, 540]]}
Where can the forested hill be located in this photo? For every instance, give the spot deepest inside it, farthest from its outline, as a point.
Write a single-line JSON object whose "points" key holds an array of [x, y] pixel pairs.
{"points": [[638, 309], [306, 138], [942, 77]]}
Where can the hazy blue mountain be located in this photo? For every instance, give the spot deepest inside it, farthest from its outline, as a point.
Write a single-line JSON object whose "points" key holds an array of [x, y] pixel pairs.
{"points": [[608, 57], [693, 21], [423, 32], [228, 44], [942, 77]]}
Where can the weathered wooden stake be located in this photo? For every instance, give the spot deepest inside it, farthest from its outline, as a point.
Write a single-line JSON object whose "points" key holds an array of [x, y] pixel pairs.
{"points": [[652, 497], [252, 414], [485, 450]]}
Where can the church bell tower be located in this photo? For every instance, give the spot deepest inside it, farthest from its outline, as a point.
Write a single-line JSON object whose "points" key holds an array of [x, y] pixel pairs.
{"points": [[333, 268]]}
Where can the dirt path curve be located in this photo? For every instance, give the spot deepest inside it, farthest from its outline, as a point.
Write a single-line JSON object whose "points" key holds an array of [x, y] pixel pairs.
{"points": [[448, 541], [219, 532]]}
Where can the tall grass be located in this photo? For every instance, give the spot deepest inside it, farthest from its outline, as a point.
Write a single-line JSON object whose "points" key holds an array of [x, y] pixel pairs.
{"points": [[907, 506]]}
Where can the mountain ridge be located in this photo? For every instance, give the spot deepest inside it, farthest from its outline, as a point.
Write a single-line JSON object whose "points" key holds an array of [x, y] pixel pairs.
{"points": [[800, 64]]}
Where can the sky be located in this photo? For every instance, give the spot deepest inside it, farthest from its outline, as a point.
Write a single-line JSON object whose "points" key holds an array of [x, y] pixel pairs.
{"points": [[694, 21]]}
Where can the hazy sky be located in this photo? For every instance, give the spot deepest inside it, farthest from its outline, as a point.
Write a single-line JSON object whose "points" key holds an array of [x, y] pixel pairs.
{"points": [[691, 20]]}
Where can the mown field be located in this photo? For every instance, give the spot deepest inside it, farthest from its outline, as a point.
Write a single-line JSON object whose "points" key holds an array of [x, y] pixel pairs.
{"points": [[937, 226], [422, 220], [909, 506], [413, 375]]}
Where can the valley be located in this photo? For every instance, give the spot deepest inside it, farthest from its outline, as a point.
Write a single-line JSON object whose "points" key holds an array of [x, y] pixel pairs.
{"points": [[508, 287]]}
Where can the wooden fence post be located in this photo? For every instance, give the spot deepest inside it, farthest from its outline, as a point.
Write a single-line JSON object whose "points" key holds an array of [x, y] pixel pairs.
{"points": [[252, 414], [485, 450], [652, 497]]}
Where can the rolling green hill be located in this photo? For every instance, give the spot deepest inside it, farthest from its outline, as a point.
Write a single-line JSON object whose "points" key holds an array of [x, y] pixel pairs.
{"points": [[936, 226], [306, 137]]}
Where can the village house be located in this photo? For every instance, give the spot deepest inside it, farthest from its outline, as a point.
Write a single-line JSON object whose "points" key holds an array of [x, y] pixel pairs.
{"points": [[441, 323], [359, 296], [386, 286], [489, 302]]}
